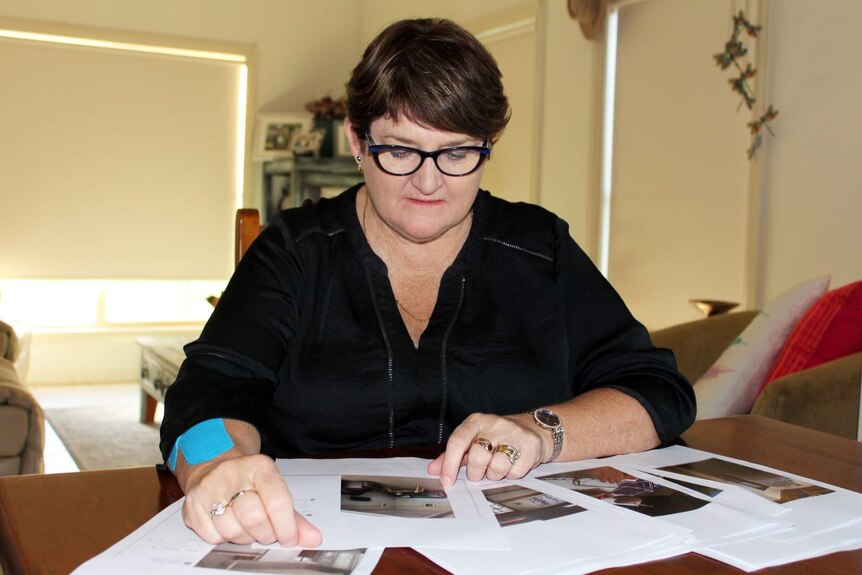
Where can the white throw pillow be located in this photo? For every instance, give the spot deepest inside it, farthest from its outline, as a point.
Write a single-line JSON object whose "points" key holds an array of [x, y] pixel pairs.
{"points": [[730, 386]]}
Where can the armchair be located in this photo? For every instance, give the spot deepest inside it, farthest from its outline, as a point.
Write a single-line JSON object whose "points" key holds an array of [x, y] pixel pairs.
{"points": [[22, 423]]}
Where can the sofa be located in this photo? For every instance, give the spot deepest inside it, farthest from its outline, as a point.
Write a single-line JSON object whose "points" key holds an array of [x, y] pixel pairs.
{"points": [[825, 397], [22, 423]]}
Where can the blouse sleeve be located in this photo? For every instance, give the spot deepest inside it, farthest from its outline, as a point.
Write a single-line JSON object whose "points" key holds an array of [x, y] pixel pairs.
{"points": [[610, 348], [230, 371]]}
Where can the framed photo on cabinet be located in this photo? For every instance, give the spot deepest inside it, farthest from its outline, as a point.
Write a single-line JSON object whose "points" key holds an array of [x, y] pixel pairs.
{"points": [[274, 134]]}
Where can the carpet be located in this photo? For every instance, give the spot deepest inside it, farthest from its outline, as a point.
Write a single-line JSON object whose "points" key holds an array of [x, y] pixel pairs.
{"points": [[106, 437]]}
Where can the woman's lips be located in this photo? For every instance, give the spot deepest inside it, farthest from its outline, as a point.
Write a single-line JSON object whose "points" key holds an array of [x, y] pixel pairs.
{"points": [[425, 202]]}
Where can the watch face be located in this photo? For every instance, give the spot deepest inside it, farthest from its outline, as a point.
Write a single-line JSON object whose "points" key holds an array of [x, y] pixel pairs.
{"points": [[547, 417]]}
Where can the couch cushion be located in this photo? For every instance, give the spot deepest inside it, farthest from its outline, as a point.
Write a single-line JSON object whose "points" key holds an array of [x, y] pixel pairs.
{"points": [[832, 328], [8, 342], [10, 466], [731, 385], [697, 344], [825, 397], [22, 425], [14, 427]]}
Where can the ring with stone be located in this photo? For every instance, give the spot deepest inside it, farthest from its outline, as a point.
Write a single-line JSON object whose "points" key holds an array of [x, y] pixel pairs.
{"points": [[509, 451], [217, 509], [484, 444]]}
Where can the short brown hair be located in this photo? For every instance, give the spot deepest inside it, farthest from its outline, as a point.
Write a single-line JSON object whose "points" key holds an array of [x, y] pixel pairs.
{"points": [[432, 72]]}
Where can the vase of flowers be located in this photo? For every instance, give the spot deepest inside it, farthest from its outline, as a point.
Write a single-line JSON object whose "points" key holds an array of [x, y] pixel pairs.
{"points": [[326, 112]]}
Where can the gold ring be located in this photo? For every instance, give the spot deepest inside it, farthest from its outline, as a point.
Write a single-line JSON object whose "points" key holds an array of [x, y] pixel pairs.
{"points": [[511, 452], [484, 444]]}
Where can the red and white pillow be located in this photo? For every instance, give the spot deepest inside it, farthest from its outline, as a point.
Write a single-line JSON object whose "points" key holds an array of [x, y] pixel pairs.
{"points": [[732, 384]]}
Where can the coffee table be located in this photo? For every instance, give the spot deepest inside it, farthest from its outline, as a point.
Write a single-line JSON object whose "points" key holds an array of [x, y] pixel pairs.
{"points": [[160, 361]]}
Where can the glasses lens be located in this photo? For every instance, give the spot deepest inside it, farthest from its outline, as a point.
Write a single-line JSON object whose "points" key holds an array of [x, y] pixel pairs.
{"points": [[458, 161], [403, 161], [399, 160]]}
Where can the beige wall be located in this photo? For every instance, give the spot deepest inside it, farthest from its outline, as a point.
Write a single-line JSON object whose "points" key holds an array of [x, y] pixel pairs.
{"points": [[684, 193], [569, 111], [116, 164], [812, 170], [680, 175]]}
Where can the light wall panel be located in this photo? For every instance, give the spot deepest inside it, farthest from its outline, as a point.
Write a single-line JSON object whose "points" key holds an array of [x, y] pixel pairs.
{"points": [[115, 164], [680, 173]]}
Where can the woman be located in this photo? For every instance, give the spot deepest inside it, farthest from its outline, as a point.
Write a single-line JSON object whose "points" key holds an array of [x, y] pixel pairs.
{"points": [[412, 309]]}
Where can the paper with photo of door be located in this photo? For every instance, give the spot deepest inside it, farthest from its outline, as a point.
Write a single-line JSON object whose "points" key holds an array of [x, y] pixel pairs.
{"points": [[626, 488], [812, 506], [772, 486]]}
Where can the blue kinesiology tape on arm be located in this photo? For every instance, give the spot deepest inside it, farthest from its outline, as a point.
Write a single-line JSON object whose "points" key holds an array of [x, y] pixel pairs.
{"points": [[202, 442]]}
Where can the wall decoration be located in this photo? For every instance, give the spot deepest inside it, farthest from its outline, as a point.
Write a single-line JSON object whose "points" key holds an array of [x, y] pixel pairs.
{"points": [[735, 53], [308, 143], [342, 144]]}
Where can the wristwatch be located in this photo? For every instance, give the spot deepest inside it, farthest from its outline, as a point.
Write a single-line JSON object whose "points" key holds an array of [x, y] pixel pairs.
{"points": [[549, 420]]}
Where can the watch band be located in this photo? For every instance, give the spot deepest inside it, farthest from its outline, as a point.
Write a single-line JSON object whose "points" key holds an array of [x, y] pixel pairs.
{"points": [[557, 434]]}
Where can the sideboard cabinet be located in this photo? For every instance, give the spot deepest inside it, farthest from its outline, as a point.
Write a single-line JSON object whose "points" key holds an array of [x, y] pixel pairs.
{"points": [[288, 182]]}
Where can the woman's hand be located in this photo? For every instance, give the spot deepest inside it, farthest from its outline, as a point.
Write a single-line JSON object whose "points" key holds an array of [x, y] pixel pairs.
{"points": [[240, 496], [475, 443], [263, 512]]}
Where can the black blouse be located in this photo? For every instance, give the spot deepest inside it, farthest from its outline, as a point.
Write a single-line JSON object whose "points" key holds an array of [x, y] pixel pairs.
{"points": [[307, 343]]}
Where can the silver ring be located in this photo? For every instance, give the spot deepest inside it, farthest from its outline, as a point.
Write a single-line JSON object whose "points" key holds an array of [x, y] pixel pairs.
{"points": [[236, 495], [219, 507], [484, 444], [509, 451]]}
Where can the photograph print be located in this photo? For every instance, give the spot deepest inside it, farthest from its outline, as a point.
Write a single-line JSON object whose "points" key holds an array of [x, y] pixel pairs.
{"points": [[276, 135], [395, 496], [623, 490], [514, 505], [771, 486], [245, 559]]}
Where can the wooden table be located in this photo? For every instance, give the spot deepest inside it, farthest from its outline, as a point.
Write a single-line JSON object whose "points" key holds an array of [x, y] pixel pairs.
{"points": [[52, 523]]}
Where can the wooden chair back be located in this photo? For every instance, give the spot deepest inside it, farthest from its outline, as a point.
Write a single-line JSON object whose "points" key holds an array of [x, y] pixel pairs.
{"points": [[247, 229]]}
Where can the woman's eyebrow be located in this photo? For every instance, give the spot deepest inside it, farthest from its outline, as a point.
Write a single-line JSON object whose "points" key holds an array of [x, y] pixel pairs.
{"points": [[406, 141]]}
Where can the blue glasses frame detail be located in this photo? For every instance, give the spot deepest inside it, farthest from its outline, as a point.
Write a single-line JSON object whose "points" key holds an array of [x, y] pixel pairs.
{"points": [[484, 152]]}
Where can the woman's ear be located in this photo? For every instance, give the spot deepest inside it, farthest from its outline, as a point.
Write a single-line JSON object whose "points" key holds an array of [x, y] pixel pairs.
{"points": [[355, 142]]}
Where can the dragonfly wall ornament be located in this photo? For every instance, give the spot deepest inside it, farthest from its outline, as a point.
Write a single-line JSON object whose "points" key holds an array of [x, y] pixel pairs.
{"points": [[734, 53]]}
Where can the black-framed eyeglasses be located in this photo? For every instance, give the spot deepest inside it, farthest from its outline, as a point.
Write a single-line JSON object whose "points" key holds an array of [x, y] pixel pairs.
{"points": [[403, 161]]}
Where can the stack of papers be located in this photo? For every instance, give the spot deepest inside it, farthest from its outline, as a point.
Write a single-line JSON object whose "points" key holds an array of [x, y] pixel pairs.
{"points": [[822, 518], [574, 517]]}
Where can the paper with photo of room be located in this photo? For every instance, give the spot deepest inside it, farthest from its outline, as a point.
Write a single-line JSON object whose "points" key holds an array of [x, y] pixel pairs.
{"points": [[418, 497], [624, 490]]}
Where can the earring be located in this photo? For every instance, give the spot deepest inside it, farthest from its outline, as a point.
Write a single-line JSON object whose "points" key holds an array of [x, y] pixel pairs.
{"points": [[359, 163]]}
